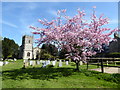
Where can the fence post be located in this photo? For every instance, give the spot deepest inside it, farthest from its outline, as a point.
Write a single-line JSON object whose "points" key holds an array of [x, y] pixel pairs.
{"points": [[98, 64], [102, 69], [87, 64]]}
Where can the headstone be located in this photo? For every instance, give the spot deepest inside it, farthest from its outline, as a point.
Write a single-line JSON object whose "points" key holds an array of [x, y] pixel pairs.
{"points": [[15, 59], [41, 61], [1, 63], [115, 63], [26, 64], [46, 62], [49, 62], [107, 62], [38, 62], [66, 62], [69, 60], [1, 59], [43, 64], [53, 63], [6, 62], [60, 63], [34, 63], [81, 63], [31, 62]]}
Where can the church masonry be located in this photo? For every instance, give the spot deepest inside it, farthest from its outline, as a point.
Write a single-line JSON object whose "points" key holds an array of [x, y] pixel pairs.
{"points": [[27, 51]]}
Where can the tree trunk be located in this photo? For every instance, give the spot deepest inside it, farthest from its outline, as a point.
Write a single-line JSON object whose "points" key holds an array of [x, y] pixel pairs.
{"points": [[77, 66]]}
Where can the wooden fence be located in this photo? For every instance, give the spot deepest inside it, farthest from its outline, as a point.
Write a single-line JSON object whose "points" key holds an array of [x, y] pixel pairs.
{"points": [[101, 60]]}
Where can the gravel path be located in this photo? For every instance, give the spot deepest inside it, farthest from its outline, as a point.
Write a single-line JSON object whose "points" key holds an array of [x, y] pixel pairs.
{"points": [[108, 70]]}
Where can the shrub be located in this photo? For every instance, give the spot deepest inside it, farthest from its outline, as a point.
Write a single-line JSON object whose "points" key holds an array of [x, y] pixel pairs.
{"points": [[114, 54]]}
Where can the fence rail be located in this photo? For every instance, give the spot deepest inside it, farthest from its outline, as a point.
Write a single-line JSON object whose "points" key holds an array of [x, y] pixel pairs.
{"points": [[101, 60]]}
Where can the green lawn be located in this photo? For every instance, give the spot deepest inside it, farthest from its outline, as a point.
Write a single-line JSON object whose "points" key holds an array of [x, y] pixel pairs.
{"points": [[56, 77]]}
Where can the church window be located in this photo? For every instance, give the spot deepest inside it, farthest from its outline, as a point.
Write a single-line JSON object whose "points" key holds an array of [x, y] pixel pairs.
{"points": [[29, 41], [28, 54]]}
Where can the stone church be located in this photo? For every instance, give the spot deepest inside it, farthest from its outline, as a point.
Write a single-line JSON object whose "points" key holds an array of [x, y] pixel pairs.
{"points": [[27, 51], [115, 45]]}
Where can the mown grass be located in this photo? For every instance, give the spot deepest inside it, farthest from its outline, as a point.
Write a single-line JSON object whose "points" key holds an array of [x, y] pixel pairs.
{"points": [[56, 77]]}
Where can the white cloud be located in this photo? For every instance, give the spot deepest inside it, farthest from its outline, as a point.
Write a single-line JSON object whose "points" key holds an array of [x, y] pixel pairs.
{"points": [[9, 24]]}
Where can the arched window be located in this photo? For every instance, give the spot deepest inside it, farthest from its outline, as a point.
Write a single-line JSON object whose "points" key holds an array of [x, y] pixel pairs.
{"points": [[29, 41], [28, 54]]}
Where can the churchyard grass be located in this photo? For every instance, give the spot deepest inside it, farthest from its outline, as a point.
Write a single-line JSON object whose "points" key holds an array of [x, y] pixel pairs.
{"points": [[56, 77]]}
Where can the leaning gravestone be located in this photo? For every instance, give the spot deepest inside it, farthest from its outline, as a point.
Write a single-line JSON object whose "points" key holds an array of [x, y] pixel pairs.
{"points": [[60, 63], [25, 63], [1, 63], [53, 63], [66, 62]]}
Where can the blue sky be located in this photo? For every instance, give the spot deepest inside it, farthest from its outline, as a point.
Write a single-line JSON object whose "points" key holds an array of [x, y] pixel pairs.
{"points": [[18, 16]]}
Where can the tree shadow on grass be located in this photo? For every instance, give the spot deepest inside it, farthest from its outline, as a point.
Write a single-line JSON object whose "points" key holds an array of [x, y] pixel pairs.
{"points": [[37, 73]]}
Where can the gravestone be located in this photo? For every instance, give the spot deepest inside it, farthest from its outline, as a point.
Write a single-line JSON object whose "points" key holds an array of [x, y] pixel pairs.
{"points": [[69, 60], [41, 61], [60, 63], [25, 63], [38, 62], [53, 63], [15, 59], [81, 63], [107, 62], [46, 62], [115, 63], [66, 62], [43, 64], [6, 62], [49, 62], [1, 63], [1, 59], [34, 63], [30, 62]]}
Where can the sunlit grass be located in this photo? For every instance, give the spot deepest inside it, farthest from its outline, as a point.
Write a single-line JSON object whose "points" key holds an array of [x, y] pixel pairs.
{"points": [[56, 77]]}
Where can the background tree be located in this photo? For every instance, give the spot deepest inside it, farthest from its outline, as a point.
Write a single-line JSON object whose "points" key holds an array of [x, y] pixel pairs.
{"points": [[44, 55], [62, 53], [51, 49], [9, 48], [76, 34]]}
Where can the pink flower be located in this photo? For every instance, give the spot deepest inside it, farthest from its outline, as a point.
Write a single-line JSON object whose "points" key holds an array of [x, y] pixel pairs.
{"points": [[76, 35], [94, 6]]}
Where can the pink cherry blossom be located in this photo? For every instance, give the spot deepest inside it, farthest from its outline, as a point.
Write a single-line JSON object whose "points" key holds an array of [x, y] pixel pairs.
{"points": [[76, 34], [94, 6]]}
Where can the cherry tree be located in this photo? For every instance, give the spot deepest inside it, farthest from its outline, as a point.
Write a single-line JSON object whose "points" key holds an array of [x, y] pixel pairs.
{"points": [[77, 34]]}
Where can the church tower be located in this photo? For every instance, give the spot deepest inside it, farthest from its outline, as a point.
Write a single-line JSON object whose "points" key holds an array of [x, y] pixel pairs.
{"points": [[27, 47]]}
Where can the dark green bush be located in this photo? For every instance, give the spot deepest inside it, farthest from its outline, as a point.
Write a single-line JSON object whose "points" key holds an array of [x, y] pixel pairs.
{"points": [[114, 55]]}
